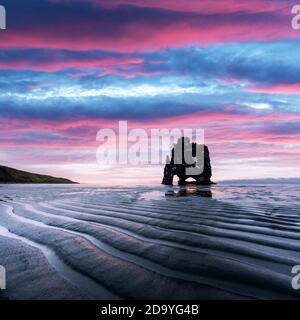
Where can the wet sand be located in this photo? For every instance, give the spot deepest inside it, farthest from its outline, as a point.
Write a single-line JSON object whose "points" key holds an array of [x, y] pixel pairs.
{"points": [[83, 242]]}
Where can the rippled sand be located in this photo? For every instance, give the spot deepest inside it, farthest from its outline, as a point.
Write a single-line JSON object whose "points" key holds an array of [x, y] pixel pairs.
{"points": [[84, 242]]}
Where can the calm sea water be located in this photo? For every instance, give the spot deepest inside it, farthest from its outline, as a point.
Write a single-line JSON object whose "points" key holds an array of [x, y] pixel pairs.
{"points": [[273, 195]]}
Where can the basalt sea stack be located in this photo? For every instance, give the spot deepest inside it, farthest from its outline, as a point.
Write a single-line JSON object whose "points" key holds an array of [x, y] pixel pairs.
{"points": [[189, 160]]}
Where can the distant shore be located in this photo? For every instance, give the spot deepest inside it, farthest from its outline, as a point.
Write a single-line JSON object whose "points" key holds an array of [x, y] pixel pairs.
{"points": [[14, 176]]}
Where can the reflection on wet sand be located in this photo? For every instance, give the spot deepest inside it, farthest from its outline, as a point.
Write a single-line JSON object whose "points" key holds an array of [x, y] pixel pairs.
{"points": [[190, 190]]}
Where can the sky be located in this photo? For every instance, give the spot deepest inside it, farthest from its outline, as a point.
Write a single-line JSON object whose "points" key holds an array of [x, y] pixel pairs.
{"points": [[71, 67]]}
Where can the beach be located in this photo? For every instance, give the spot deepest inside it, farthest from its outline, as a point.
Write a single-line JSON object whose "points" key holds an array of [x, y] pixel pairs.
{"points": [[154, 242]]}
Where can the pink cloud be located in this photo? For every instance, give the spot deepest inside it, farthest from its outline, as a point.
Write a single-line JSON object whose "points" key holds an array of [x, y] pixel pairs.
{"points": [[237, 138], [61, 63], [293, 88], [38, 86], [167, 23], [223, 127], [203, 6]]}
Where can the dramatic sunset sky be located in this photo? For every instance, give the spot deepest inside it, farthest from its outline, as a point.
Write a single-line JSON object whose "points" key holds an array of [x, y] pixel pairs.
{"points": [[71, 67]]}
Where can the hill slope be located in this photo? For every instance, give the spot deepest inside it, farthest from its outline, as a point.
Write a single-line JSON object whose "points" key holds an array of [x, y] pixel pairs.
{"points": [[10, 175]]}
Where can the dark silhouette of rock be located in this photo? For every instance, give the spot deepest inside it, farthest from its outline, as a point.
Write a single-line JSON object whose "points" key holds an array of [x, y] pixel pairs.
{"points": [[189, 160]]}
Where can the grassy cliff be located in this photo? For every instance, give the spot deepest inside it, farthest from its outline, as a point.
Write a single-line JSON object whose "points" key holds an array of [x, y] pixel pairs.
{"points": [[10, 175]]}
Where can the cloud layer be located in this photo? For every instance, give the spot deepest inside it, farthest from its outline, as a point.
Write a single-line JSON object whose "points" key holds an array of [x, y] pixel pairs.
{"points": [[69, 68]]}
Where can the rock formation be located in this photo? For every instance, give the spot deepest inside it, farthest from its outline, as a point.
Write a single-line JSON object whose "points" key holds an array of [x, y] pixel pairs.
{"points": [[189, 160]]}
